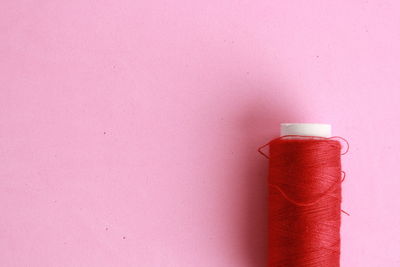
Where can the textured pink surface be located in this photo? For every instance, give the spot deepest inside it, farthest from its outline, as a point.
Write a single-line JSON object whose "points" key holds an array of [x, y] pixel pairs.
{"points": [[128, 129]]}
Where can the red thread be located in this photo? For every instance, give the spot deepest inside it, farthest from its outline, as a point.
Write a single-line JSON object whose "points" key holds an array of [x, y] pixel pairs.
{"points": [[304, 197]]}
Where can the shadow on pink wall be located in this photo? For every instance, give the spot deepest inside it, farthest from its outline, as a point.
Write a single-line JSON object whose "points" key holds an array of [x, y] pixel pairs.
{"points": [[260, 123]]}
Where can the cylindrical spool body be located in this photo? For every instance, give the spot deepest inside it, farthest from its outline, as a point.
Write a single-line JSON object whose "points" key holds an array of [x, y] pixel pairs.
{"points": [[284, 250]]}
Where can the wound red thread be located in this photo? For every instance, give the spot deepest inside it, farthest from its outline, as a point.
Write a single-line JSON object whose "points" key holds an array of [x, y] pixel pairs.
{"points": [[304, 202]]}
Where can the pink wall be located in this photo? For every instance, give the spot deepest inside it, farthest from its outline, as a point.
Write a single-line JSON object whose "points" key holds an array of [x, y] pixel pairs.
{"points": [[128, 129]]}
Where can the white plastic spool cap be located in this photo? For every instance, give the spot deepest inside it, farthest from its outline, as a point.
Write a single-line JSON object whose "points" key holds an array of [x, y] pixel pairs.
{"points": [[306, 129]]}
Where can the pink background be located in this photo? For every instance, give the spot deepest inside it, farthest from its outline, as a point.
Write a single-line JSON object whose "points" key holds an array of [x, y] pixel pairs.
{"points": [[128, 129]]}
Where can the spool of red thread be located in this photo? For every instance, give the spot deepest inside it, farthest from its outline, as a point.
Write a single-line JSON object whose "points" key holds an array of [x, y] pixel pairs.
{"points": [[304, 197]]}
